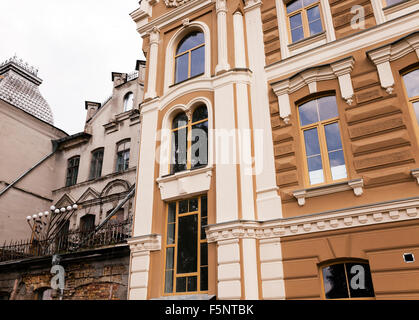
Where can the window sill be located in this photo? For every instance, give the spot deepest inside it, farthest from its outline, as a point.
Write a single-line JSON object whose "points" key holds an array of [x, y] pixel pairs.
{"points": [[397, 10], [312, 41], [184, 183], [183, 81], [355, 185]]}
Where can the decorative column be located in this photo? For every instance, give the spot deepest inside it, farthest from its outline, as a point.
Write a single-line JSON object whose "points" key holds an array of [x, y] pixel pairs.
{"points": [[239, 44], [222, 65], [152, 68], [268, 201]]}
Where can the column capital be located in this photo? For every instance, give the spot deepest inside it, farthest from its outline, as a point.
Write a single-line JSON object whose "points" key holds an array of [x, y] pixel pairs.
{"points": [[252, 4], [221, 6], [154, 35]]}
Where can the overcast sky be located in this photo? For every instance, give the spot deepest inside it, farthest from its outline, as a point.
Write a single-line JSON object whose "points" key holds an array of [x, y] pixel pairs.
{"points": [[76, 45]]}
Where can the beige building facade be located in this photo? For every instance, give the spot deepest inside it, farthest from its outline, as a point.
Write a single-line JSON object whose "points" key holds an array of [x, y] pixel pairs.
{"points": [[279, 150]]}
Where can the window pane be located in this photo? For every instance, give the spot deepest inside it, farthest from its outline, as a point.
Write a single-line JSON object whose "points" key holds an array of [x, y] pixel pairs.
{"points": [[198, 61], [297, 34], [308, 2], [168, 284], [311, 139], [308, 113], [181, 284], [360, 281], [337, 165], [392, 2], [313, 14], [193, 205], [172, 212], [328, 108], [192, 284], [316, 27], [204, 278], [416, 109], [204, 222], [199, 145], [171, 233], [294, 5], [191, 41], [170, 254], [295, 21], [179, 150], [315, 170], [204, 254], [204, 206], [334, 279], [187, 257], [182, 65], [411, 80], [333, 137], [183, 206], [180, 120], [200, 113]]}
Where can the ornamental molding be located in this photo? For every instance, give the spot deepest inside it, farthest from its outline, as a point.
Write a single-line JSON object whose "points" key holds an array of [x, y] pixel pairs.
{"points": [[147, 243], [175, 3], [399, 211]]}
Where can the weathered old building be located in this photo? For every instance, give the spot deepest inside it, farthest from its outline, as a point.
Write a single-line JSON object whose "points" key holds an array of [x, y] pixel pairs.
{"points": [[279, 150], [75, 192]]}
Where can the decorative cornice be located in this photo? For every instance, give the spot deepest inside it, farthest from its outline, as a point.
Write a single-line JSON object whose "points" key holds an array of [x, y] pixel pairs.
{"points": [[397, 211], [175, 3], [147, 243]]}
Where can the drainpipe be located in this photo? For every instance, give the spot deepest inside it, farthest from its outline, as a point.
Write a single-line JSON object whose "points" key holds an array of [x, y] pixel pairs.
{"points": [[54, 149]]}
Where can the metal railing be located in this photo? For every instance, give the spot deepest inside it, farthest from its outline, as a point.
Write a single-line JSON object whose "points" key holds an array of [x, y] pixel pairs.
{"points": [[111, 233]]}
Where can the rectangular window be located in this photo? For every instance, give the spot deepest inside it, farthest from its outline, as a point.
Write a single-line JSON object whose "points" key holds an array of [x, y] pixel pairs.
{"points": [[411, 83], [322, 140], [122, 156], [304, 19], [186, 267], [96, 164], [388, 3], [72, 171]]}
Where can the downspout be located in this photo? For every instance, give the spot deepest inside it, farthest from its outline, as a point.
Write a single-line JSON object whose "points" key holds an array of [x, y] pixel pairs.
{"points": [[54, 149]]}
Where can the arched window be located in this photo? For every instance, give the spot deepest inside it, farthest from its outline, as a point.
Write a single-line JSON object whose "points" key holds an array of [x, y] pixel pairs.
{"points": [[347, 280], [128, 101], [319, 122], [72, 171], [190, 57], [411, 82], [189, 148]]}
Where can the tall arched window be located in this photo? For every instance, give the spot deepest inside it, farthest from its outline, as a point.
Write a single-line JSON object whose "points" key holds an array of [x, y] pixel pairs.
{"points": [[128, 101], [411, 82], [319, 122], [190, 57], [189, 148]]}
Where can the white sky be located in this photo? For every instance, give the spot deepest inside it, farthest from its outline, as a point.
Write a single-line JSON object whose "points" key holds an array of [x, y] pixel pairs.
{"points": [[76, 45]]}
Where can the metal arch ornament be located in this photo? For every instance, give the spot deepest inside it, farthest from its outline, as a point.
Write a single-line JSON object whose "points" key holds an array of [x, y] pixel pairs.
{"points": [[175, 3]]}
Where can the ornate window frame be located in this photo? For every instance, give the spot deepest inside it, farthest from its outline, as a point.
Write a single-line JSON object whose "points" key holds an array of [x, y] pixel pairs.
{"points": [[188, 27]]}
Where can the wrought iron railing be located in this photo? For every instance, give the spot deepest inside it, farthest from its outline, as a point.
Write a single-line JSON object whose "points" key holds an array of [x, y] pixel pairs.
{"points": [[110, 234]]}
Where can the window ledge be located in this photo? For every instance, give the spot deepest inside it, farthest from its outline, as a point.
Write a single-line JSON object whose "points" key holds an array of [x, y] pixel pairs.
{"points": [[185, 183], [187, 297], [355, 185], [307, 41], [399, 6]]}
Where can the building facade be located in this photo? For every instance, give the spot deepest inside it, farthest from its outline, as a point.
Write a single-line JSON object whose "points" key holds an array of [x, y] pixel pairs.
{"points": [[279, 150], [74, 191]]}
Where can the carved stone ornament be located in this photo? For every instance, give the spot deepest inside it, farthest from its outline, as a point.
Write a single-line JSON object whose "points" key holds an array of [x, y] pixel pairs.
{"points": [[175, 3]]}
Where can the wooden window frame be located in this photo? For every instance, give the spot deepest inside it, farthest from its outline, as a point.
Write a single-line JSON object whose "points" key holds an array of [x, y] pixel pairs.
{"points": [[189, 52], [304, 18], [344, 261], [175, 246], [92, 163], [189, 138], [124, 150], [411, 101], [72, 172], [327, 173]]}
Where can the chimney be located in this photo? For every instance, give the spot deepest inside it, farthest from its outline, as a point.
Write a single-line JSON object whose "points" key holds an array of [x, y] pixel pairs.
{"points": [[140, 67], [118, 78], [92, 108]]}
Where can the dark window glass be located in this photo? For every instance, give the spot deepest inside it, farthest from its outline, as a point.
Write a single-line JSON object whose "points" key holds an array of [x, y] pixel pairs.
{"points": [[348, 280], [192, 284], [360, 281], [204, 278], [182, 67], [168, 284], [335, 286], [201, 113], [181, 284], [197, 61], [87, 223], [187, 244], [179, 150], [183, 206], [96, 164], [122, 162], [181, 120], [72, 171], [191, 41], [190, 57], [193, 205], [204, 254], [199, 145]]}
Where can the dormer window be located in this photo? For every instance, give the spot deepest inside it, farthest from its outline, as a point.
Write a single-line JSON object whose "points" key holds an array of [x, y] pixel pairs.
{"points": [[128, 101], [190, 57]]}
